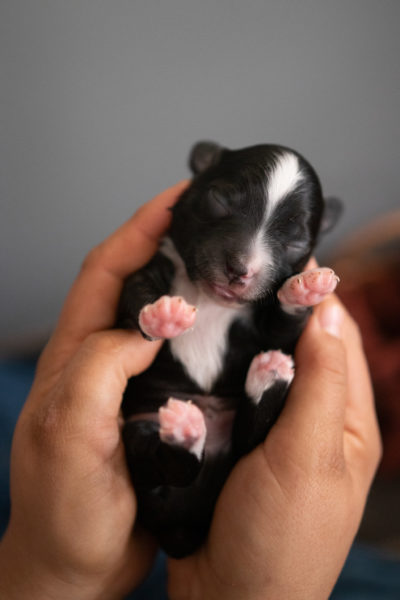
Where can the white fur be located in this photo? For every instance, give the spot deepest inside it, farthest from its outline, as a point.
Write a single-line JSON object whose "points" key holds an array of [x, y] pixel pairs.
{"points": [[178, 434], [256, 386], [260, 259], [198, 446], [259, 380], [201, 350], [284, 178]]}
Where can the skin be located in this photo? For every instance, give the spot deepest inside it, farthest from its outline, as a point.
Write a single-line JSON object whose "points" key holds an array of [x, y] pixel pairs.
{"points": [[73, 507], [289, 512]]}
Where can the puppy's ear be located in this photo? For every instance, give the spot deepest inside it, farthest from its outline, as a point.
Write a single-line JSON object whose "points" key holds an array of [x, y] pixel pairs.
{"points": [[203, 155], [332, 211]]}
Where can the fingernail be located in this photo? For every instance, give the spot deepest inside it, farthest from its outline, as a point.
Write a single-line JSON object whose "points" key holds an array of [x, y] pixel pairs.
{"points": [[331, 318]]}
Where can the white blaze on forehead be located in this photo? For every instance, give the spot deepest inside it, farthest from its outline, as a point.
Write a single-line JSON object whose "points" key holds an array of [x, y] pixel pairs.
{"points": [[283, 179], [260, 259]]}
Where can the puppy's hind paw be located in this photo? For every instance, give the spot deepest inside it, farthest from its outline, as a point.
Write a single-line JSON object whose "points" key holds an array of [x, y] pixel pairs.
{"points": [[182, 424], [265, 370]]}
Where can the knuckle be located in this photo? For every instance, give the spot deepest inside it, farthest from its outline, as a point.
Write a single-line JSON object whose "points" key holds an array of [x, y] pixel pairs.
{"points": [[379, 449], [93, 258], [376, 446], [331, 463], [45, 427], [327, 457], [330, 359], [366, 452], [354, 330], [357, 331], [103, 342], [324, 356]]}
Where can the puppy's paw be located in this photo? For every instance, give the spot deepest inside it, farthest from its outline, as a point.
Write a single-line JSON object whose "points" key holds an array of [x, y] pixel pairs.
{"points": [[307, 289], [182, 424], [266, 369], [166, 318]]}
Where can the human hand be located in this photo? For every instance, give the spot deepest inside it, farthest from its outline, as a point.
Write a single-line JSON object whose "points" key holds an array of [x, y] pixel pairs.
{"points": [[73, 506], [289, 512]]}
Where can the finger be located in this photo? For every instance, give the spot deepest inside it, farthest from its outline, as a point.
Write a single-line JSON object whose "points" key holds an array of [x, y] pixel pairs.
{"points": [[315, 409], [92, 385], [361, 398], [93, 298], [91, 303], [363, 445]]}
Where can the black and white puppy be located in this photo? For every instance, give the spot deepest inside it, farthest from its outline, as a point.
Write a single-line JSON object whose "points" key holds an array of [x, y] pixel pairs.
{"points": [[227, 290]]}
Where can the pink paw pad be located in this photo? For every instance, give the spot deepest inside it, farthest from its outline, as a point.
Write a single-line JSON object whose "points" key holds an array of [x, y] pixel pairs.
{"points": [[182, 424], [167, 318], [265, 369], [308, 288]]}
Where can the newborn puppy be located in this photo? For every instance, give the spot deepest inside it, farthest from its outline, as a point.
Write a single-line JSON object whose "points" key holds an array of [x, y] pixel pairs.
{"points": [[227, 290]]}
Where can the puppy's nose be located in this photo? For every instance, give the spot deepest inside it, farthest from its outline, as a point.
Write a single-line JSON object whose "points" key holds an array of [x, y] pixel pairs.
{"points": [[238, 272]]}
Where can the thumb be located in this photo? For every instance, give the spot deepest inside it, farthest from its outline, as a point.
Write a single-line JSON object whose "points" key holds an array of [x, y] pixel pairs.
{"points": [[315, 407], [96, 377]]}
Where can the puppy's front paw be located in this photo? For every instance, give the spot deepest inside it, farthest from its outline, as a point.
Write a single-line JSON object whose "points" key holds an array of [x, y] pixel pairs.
{"points": [[166, 318], [182, 424], [266, 369], [308, 288]]}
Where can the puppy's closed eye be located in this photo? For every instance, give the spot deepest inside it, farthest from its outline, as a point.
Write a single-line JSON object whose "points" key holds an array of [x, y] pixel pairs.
{"points": [[218, 203]]}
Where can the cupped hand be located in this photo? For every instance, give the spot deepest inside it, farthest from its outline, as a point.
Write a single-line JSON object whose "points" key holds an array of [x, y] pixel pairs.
{"points": [[289, 512], [73, 507]]}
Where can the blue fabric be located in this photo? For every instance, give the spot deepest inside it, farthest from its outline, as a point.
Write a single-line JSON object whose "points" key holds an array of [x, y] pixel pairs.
{"points": [[367, 574], [15, 382], [154, 588]]}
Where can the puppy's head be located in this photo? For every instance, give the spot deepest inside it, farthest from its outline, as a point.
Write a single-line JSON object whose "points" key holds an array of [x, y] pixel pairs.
{"points": [[249, 219]]}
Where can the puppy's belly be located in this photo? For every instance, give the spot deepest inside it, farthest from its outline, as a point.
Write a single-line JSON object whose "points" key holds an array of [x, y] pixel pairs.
{"points": [[218, 414]]}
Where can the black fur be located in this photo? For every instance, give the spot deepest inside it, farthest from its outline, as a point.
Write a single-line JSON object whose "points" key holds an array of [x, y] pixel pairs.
{"points": [[211, 227]]}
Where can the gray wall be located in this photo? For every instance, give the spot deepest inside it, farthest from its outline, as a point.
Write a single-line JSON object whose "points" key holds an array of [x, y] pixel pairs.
{"points": [[101, 101]]}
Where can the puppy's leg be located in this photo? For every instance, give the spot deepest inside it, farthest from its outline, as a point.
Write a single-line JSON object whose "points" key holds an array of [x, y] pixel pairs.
{"points": [[266, 369], [144, 287], [182, 425], [281, 325], [307, 289], [167, 450], [267, 383], [146, 305]]}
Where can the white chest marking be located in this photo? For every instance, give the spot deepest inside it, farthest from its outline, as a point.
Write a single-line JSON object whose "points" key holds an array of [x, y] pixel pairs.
{"points": [[202, 349]]}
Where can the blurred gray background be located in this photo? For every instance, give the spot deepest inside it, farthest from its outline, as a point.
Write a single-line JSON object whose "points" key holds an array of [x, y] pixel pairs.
{"points": [[101, 102]]}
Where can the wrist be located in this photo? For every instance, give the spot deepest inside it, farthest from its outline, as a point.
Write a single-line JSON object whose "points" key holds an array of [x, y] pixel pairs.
{"points": [[23, 575]]}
